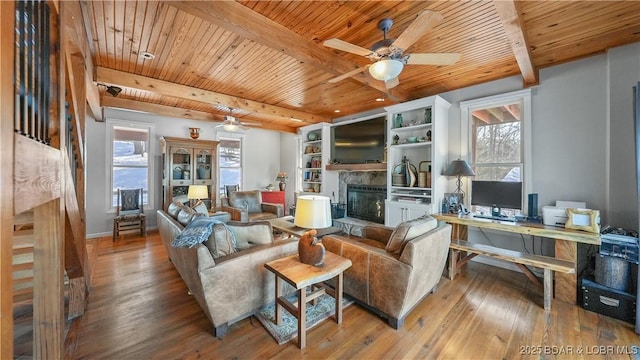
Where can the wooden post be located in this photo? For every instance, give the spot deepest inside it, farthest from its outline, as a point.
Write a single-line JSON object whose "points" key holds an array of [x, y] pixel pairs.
{"points": [[48, 282], [7, 43]]}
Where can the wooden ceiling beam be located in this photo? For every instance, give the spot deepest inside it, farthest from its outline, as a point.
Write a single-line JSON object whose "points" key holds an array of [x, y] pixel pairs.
{"points": [[251, 25], [482, 115], [514, 110], [514, 29], [161, 87], [171, 111]]}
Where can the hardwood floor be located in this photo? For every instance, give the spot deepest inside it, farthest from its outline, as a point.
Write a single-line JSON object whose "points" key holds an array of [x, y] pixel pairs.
{"points": [[139, 308]]}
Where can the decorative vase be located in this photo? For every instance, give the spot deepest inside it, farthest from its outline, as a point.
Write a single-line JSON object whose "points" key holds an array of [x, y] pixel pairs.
{"points": [[283, 185], [399, 120]]}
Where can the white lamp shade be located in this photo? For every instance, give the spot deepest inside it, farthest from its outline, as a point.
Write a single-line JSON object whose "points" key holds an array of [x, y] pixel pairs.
{"points": [[198, 192], [386, 69], [313, 212]]}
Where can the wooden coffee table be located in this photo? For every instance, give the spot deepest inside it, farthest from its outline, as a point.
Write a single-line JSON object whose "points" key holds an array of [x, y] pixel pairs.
{"points": [[286, 225], [300, 275]]}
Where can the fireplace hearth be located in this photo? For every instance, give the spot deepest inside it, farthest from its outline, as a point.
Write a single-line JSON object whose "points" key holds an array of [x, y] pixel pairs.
{"points": [[366, 202]]}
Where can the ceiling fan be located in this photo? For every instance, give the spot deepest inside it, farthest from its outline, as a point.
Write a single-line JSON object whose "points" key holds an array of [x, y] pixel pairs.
{"points": [[231, 123], [388, 54]]}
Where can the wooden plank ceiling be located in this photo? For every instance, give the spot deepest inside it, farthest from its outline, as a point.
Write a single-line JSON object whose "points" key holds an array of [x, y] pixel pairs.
{"points": [[266, 61]]}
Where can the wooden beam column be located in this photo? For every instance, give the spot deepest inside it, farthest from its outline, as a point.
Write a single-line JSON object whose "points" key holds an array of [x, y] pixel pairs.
{"points": [[48, 282], [7, 43]]}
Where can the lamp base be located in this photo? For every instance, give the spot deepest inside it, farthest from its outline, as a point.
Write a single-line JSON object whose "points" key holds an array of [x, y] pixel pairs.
{"points": [[282, 185], [310, 250]]}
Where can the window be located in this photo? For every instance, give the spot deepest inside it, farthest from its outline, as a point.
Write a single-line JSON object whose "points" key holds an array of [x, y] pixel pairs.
{"points": [[229, 163], [129, 160], [498, 133]]}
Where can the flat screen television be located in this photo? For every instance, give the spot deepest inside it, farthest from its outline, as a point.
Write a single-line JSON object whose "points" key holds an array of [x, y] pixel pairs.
{"points": [[501, 194], [359, 142]]}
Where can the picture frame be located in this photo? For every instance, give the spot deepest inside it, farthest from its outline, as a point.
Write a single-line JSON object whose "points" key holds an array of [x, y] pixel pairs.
{"points": [[583, 219], [454, 202]]}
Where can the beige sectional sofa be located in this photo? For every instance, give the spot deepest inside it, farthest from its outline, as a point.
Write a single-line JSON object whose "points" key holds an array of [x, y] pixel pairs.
{"points": [[226, 273]]}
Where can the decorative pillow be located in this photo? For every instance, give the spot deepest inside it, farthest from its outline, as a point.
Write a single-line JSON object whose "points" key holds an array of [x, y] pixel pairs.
{"points": [[249, 200], [196, 232], [185, 215], [253, 233], [409, 230], [174, 209], [221, 242], [182, 199], [201, 209]]}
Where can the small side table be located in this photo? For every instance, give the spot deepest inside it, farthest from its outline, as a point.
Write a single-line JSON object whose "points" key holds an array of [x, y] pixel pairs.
{"points": [[300, 275]]}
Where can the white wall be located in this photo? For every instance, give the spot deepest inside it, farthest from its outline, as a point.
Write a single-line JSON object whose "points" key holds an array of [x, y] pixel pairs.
{"points": [[261, 162]]}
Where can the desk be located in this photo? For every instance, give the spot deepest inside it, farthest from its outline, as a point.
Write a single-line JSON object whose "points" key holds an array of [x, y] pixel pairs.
{"points": [[566, 244], [300, 275]]}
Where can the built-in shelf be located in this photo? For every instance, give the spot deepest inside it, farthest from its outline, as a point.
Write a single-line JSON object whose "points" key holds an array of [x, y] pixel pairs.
{"points": [[357, 167]]}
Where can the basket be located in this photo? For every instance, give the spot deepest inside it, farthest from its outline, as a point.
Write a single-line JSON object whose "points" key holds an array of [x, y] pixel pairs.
{"points": [[398, 180], [424, 174], [337, 210]]}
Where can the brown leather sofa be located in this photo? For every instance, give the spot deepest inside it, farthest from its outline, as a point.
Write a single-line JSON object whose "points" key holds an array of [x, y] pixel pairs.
{"points": [[393, 269], [247, 206], [226, 273]]}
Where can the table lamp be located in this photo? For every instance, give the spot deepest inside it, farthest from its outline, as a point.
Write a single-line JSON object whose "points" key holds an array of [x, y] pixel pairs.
{"points": [[197, 193], [282, 177], [312, 212], [459, 168]]}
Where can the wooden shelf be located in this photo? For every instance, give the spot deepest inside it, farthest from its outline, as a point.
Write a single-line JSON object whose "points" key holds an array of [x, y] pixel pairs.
{"points": [[358, 167]]}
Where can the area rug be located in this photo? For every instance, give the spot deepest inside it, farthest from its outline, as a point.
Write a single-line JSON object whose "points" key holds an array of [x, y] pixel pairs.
{"points": [[324, 308]]}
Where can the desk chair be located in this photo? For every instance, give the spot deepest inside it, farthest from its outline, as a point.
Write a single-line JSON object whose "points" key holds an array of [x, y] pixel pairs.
{"points": [[129, 213]]}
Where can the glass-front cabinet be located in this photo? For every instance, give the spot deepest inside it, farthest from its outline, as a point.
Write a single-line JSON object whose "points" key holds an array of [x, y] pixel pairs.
{"points": [[188, 162], [417, 155]]}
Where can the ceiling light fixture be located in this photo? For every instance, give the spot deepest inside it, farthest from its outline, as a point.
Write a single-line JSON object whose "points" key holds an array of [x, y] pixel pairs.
{"points": [[230, 127], [379, 99], [147, 55], [336, 111], [386, 70]]}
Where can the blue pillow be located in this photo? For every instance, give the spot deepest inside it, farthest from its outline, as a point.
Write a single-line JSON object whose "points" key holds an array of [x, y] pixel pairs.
{"points": [[196, 232]]}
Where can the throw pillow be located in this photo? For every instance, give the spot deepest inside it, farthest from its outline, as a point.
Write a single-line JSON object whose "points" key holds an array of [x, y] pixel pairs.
{"points": [[253, 233], [196, 232], [409, 230], [201, 209], [185, 215], [221, 242]]}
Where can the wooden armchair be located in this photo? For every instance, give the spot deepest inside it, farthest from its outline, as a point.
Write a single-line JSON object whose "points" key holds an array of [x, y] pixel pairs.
{"points": [[130, 216]]}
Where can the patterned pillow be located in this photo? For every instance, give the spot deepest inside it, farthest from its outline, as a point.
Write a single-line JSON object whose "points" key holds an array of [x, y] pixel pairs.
{"points": [[196, 232], [130, 200]]}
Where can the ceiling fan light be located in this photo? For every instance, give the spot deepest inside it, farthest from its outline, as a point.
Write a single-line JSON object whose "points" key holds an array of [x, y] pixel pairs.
{"points": [[386, 69], [230, 127]]}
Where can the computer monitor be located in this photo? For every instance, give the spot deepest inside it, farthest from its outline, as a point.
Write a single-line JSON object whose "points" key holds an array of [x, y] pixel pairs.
{"points": [[496, 194]]}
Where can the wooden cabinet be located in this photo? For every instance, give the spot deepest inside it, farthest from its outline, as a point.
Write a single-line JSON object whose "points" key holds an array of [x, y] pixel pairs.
{"points": [[417, 140], [273, 197], [314, 158], [188, 162]]}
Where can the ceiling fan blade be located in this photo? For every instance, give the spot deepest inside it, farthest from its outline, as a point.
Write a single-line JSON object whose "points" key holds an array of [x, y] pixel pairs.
{"points": [[433, 59], [423, 23], [345, 46], [348, 74], [390, 84], [254, 124]]}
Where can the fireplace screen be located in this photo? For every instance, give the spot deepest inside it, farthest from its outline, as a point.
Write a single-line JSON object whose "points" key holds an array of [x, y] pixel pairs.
{"points": [[366, 202]]}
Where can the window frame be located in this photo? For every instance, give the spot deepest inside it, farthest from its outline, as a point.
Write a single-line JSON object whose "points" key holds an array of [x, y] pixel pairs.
{"points": [[466, 133], [225, 135], [151, 180]]}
